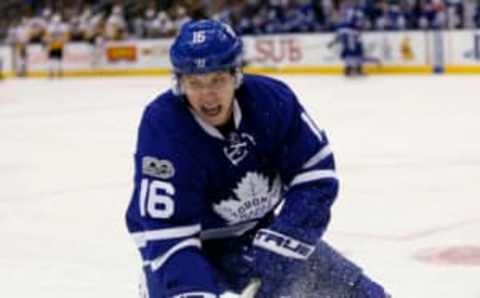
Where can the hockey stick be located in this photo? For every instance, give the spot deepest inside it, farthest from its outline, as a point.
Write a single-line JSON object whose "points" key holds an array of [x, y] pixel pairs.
{"points": [[251, 289], [248, 292]]}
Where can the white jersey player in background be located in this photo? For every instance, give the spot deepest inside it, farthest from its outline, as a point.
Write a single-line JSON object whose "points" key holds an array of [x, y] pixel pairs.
{"points": [[56, 37], [18, 38]]}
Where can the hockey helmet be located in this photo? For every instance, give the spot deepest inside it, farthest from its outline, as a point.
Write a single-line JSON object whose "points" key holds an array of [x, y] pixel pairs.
{"points": [[205, 46]]}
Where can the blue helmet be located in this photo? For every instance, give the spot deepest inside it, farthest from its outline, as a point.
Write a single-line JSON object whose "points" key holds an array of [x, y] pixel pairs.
{"points": [[205, 46]]}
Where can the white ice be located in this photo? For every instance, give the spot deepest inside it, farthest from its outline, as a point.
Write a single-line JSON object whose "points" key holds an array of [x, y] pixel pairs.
{"points": [[407, 150]]}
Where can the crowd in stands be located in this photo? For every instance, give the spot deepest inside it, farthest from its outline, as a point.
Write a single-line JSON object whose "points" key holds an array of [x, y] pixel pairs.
{"points": [[117, 20]]}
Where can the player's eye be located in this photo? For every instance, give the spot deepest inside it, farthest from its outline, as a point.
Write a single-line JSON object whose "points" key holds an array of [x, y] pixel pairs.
{"points": [[193, 84], [220, 81]]}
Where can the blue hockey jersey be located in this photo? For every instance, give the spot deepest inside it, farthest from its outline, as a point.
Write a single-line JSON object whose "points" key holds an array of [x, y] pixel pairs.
{"points": [[348, 31], [199, 193]]}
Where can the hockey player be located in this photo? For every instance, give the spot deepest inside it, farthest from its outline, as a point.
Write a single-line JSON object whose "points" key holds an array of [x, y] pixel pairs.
{"points": [[234, 183], [19, 38], [348, 35], [55, 40]]}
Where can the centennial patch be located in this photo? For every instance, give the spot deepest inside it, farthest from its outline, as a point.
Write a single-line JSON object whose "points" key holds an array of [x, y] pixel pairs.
{"points": [[160, 168]]}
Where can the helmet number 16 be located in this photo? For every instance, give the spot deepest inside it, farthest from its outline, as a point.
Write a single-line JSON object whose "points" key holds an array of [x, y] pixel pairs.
{"points": [[198, 37], [156, 198]]}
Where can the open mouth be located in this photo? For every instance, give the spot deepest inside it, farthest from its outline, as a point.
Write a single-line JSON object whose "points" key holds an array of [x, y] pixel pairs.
{"points": [[211, 111]]}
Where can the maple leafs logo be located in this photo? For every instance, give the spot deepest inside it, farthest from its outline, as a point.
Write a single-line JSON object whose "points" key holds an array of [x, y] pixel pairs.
{"points": [[254, 198], [237, 148]]}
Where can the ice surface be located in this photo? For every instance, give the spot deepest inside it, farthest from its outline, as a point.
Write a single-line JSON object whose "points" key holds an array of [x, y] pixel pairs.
{"points": [[407, 149]]}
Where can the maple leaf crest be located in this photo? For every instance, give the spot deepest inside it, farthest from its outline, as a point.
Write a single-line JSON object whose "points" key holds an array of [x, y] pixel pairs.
{"points": [[254, 198]]}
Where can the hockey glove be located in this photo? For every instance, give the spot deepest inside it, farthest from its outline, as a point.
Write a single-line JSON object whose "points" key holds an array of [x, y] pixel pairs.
{"points": [[366, 288], [278, 260]]}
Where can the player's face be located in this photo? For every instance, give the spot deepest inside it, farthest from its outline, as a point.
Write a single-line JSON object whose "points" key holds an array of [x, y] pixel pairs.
{"points": [[210, 95]]}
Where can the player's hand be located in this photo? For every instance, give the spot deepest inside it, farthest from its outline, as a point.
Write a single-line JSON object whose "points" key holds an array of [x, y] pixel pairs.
{"points": [[238, 268], [276, 272], [367, 288], [278, 264]]}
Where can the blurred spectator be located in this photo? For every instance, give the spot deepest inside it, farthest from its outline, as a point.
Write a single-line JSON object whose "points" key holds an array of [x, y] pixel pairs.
{"points": [[431, 15], [18, 38], [221, 11], [38, 26], [80, 24], [121, 19], [148, 23], [162, 26], [393, 18], [296, 17], [454, 13], [240, 18], [94, 28], [116, 25], [476, 16], [180, 17], [325, 13]]}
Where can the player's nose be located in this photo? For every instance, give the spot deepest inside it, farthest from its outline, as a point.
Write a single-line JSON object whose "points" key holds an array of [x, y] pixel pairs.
{"points": [[208, 95]]}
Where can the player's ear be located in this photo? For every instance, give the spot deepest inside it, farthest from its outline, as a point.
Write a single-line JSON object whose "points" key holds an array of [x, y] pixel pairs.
{"points": [[176, 86], [238, 74]]}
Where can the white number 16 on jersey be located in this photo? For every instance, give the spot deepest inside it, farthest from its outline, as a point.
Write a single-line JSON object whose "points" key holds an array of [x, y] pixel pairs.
{"points": [[156, 198]]}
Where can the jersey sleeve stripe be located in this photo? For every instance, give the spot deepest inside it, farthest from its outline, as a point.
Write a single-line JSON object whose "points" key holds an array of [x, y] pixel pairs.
{"points": [[159, 261], [312, 126], [230, 231], [196, 295], [312, 176], [141, 238], [319, 156]]}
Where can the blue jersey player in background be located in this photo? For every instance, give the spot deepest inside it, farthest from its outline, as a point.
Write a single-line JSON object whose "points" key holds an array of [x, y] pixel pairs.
{"points": [[348, 35], [234, 184]]}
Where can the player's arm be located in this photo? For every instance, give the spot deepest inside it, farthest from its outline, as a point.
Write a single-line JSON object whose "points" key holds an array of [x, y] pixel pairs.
{"points": [[164, 217], [66, 33], [307, 167], [334, 41], [47, 37]]}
